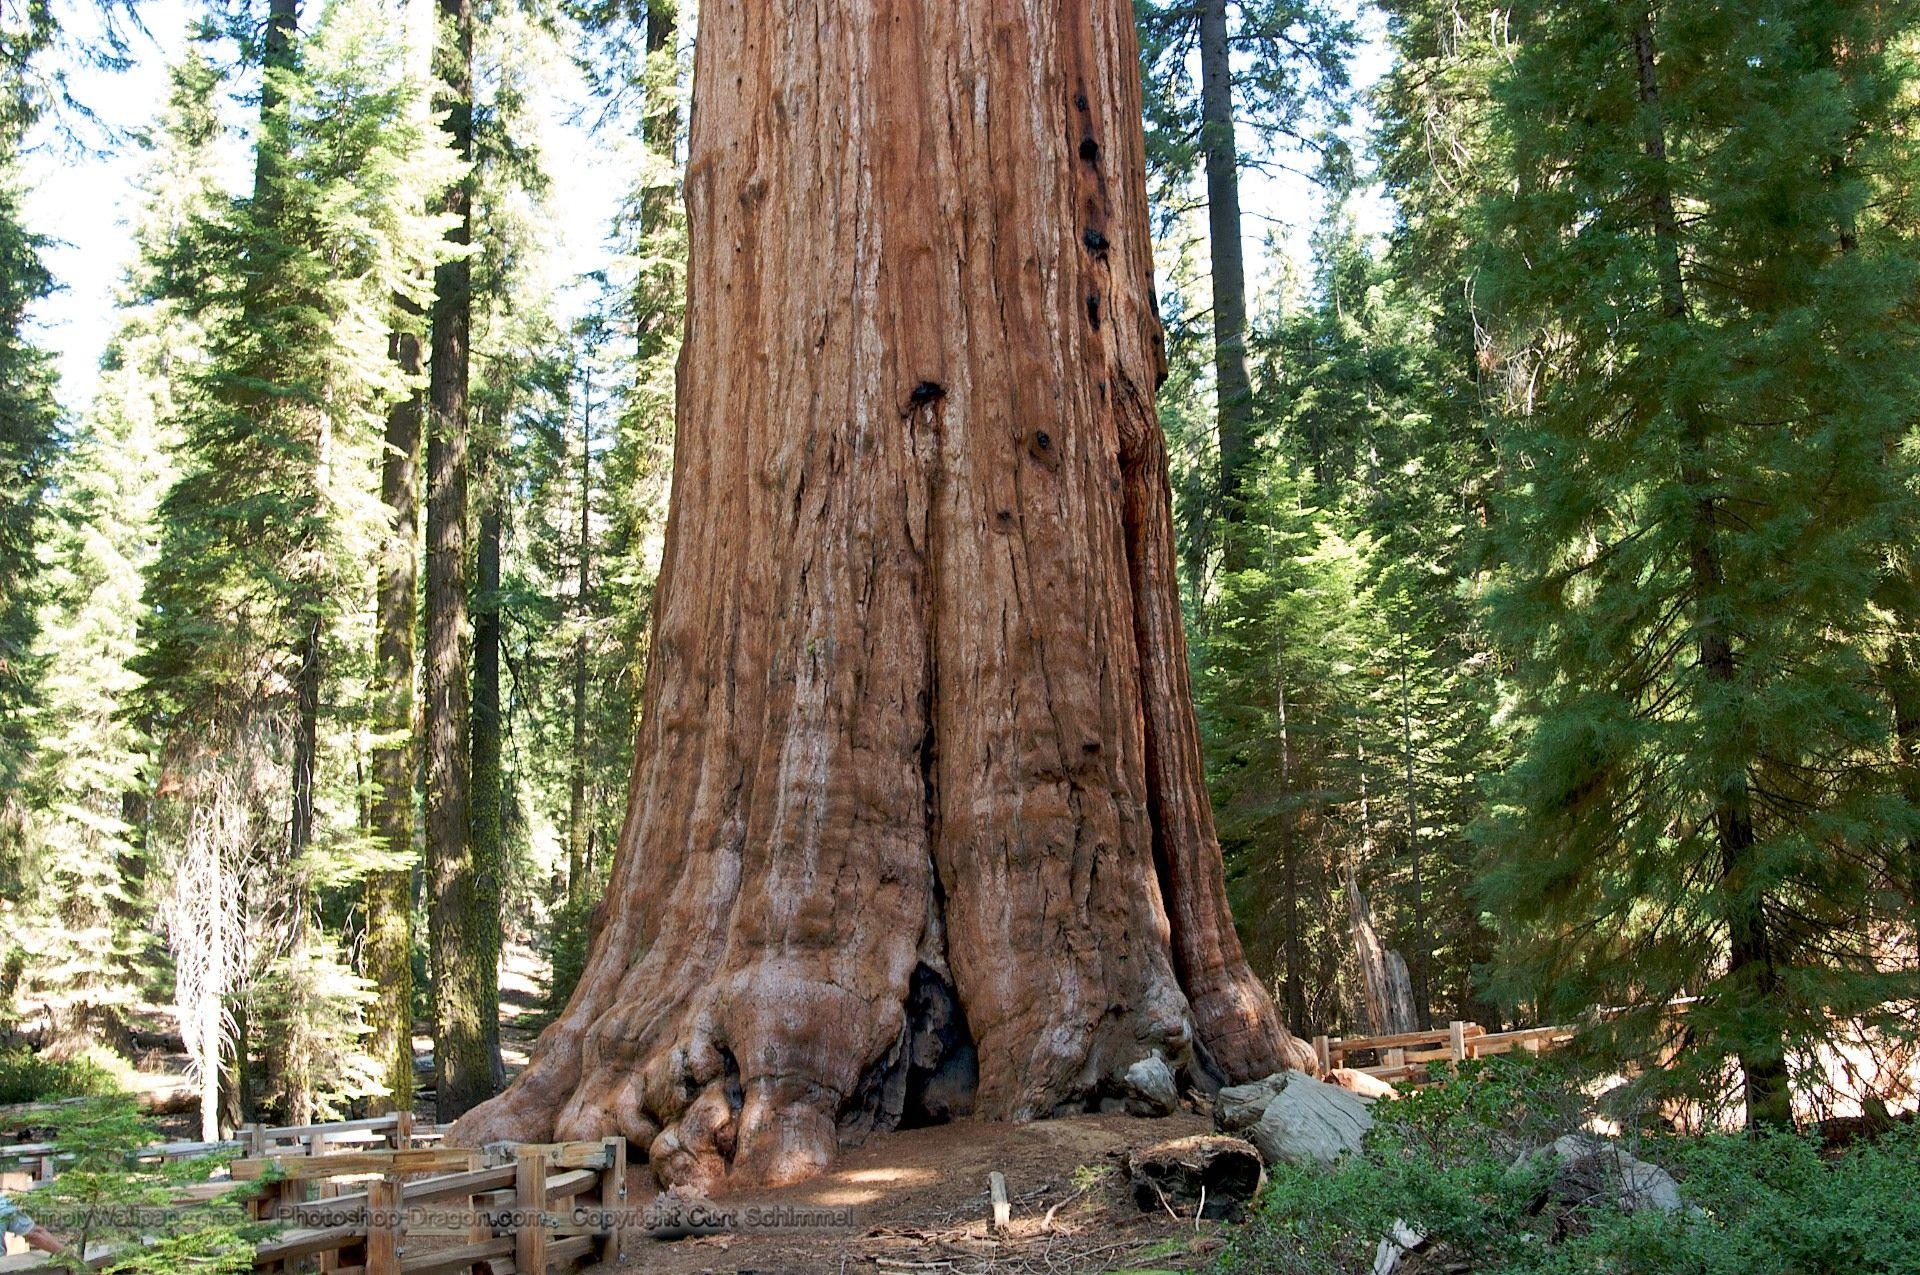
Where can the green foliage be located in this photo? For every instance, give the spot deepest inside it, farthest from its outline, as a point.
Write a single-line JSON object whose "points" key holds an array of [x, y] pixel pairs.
{"points": [[1290, 86], [1703, 264], [103, 1194], [29, 442], [256, 637], [1452, 1161], [27, 1075]]}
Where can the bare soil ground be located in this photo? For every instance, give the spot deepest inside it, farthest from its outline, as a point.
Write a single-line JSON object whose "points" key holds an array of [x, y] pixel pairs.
{"points": [[919, 1201]]}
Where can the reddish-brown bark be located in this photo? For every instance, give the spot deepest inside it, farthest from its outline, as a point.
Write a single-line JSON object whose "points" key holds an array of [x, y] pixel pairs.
{"points": [[917, 822]]}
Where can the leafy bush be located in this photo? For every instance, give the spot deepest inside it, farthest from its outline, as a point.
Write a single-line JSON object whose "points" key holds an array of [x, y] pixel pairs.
{"points": [[1450, 1162], [26, 1076]]}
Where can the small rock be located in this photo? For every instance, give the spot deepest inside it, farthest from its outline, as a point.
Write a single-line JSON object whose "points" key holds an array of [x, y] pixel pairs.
{"points": [[1310, 1122], [1150, 1087], [1633, 1183]]}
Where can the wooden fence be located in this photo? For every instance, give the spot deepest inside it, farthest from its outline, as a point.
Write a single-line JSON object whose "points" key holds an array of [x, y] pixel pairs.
{"points": [[381, 1197], [1405, 1056]]}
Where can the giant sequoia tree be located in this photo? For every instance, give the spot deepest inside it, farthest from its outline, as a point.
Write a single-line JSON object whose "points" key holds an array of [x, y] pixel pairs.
{"points": [[917, 823]]}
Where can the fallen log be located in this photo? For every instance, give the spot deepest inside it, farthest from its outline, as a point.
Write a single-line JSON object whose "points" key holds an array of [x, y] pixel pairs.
{"points": [[1207, 1176]]}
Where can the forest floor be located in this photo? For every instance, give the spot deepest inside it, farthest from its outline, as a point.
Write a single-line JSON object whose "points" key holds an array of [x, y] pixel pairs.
{"points": [[918, 1200]]}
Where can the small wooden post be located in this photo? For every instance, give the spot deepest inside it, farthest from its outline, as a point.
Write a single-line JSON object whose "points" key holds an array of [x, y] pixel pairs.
{"points": [[384, 1226], [255, 1136], [1396, 1058], [1457, 1040], [402, 1130], [1002, 1207], [530, 1202], [1323, 1052], [479, 1230], [326, 1188], [613, 1198]]}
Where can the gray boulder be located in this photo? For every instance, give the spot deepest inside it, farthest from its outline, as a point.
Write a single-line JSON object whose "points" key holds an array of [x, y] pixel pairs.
{"points": [[1307, 1121], [1591, 1168], [1150, 1087], [1238, 1107]]}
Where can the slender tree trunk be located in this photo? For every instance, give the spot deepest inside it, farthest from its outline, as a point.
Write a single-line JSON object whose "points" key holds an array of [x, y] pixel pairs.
{"points": [[917, 821], [388, 948], [660, 130], [459, 936], [1750, 960], [487, 821], [276, 56], [1903, 689], [579, 824], [1290, 946], [1233, 388], [1422, 945], [277, 52]]}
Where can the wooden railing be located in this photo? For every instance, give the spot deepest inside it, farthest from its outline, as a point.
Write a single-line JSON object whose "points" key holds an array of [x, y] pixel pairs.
{"points": [[1405, 1056], [496, 1208], [357, 1193]]}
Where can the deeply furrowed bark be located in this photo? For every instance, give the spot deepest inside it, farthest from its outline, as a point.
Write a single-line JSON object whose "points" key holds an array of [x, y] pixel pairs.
{"points": [[917, 823]]}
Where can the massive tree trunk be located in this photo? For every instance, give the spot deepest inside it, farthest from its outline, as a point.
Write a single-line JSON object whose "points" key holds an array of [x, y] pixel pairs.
{"points": [[388, 948], [917, 823], [460, 937]]}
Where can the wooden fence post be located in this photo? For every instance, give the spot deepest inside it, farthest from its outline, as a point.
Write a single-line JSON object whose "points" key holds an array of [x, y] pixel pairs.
{"points": [[479, 1230], [613, 1198], [1323, 1053], [326, 1188], [384, 1226], [1457, 1040], [530, 1202]]}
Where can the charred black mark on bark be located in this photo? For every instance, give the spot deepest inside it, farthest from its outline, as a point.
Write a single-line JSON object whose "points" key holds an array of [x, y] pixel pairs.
{"points": [[925, 393], [1089, 150], [1003, 521], [1093, 312], [1095, 241], [1040, 447]]}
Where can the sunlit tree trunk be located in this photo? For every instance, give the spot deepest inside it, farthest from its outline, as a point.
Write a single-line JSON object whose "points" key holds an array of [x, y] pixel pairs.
{"points": [[1233, 388], [460, 937], [388, 948], [917, 823]]}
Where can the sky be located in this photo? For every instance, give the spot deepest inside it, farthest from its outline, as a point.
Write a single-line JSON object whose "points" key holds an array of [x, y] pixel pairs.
{"points": [[80, 191]]}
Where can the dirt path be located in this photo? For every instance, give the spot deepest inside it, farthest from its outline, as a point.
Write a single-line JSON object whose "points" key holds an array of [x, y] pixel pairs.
{"points": [[918, 1201]]}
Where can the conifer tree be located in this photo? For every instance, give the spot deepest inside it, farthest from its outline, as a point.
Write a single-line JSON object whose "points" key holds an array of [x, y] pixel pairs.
{"points": [[1290, 81], [29, 417], [267, 528], [1705, 260]]}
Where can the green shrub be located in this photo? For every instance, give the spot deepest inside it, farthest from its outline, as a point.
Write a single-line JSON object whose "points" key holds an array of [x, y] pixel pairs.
{"points": [[103, 1194], [26, 1076], [1449, 1161]]}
